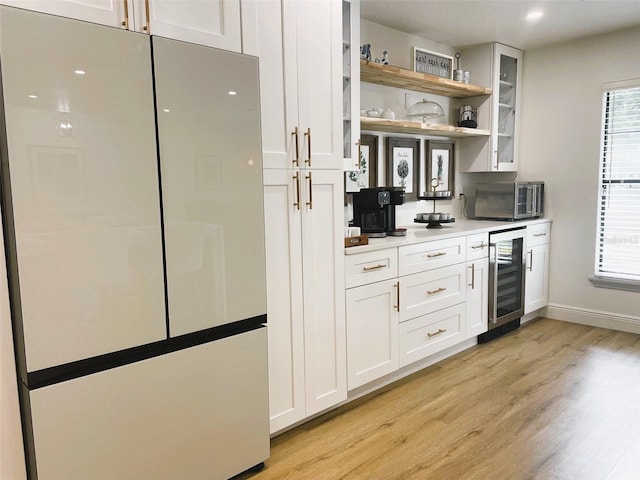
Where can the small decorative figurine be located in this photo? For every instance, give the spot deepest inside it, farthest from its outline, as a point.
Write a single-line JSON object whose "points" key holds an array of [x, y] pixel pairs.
{"points": [[385, 58], [365, 52]]}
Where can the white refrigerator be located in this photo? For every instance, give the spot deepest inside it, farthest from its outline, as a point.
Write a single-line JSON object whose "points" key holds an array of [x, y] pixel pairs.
{"points": [[134, 232]]}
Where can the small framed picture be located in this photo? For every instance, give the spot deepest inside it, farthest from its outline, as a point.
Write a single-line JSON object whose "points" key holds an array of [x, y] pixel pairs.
{"points": [[432, 63], [440, 165], [367, 175], [402, 165]]}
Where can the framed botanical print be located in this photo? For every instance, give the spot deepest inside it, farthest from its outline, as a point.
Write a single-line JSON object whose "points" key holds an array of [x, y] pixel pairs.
{"points": [[367, 175], [440, 166], [402, 165]]}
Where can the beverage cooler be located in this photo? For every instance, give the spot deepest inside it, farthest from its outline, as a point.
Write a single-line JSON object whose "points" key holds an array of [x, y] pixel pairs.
{"points": [[506, 282]]}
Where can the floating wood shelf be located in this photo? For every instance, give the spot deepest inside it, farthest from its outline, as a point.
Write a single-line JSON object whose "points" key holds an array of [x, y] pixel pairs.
{"points": [[405, 126], [420, 82]]}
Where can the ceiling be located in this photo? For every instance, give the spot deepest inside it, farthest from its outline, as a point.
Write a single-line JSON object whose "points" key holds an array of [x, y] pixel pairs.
{"points": [[460, 23]]}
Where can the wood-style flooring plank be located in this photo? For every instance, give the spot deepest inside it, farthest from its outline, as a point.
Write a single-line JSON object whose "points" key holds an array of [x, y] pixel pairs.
{"points": [[552, 400]]}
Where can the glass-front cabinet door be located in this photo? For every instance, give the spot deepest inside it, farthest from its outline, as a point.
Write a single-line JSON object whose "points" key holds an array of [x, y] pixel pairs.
{"points": [[351, 84], [506, 88]]}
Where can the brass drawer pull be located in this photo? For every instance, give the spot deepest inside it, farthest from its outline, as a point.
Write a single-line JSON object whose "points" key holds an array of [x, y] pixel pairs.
{"points": [[308, 135], [297, 202], [433, 255], [375, 267], [310, 202], [475, 247], [540, 234], [431, 292], [125, 22], [296, 160], [440, 330]]}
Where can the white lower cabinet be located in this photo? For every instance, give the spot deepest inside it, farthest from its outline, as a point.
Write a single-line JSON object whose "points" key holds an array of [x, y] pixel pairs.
{"points": [[429, 334], [477, 296], [477, 284], [536, 292], [372, 332], [406, 303], [305, 307]]}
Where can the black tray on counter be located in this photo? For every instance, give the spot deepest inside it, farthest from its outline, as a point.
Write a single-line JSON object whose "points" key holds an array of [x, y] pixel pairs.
{"points": [[434, 223]]}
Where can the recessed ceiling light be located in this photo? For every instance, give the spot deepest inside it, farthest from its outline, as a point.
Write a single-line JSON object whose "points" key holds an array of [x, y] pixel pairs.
{"points": [[534, 15], [33, 96], [79, 72], [166, 110], [232, 92]]}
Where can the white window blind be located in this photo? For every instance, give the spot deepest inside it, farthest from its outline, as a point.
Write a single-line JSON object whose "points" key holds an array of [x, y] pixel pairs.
{"points": [[618, 242]]}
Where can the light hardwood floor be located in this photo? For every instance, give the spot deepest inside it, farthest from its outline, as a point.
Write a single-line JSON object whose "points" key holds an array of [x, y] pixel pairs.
{"points": [[552, 400]]}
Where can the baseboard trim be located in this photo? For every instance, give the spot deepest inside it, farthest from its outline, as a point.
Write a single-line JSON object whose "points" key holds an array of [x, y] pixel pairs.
{"points": [[594, 318]]}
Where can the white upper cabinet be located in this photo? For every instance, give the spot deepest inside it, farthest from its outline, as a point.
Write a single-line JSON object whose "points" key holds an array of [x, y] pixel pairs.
{"points": [[501, 67], [299, 45], [106, 12], [215, 23]]}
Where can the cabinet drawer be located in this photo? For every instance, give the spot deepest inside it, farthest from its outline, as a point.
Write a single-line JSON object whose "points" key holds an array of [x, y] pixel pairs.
{"points": [[477, 246], [369, 267], [538, 234], [426, 292], [428, 334], [429, 255]]}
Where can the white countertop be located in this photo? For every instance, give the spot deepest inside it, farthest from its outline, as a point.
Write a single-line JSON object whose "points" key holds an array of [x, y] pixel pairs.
{"points": [[418, 232]]}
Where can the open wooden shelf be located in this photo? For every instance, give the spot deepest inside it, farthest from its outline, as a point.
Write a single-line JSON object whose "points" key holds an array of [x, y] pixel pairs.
{"points": [[420, 82], [406, 126]]}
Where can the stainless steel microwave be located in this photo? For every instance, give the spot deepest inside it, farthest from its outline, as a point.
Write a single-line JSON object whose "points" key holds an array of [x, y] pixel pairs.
{"points": [[509, 200]]}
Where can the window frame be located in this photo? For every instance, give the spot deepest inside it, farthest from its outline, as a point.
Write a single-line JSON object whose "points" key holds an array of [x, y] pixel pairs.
{"points": [[618, 281]]}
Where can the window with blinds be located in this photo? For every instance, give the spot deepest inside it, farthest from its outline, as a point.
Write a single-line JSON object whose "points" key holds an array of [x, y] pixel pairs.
{"points": [[618, 236]]}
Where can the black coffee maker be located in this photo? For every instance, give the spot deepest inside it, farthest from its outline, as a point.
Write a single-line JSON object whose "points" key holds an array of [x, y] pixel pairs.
{"points": [[374, 210]]}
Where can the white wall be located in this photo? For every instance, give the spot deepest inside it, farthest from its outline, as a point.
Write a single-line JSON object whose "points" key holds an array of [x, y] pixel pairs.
{"points": [[560, 143]]}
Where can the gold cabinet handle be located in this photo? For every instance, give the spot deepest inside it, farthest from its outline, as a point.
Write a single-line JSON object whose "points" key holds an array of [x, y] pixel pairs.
{"points": [[433, 292], [440, 330], [375, 267], [125, 22], [310, 202], [540, 234], [297, 202], [397, 305], [308, 134], [359, 157], [531, 260], [296, 160], [475, 247], [473, 276], [433, 255], [147, 27]]}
